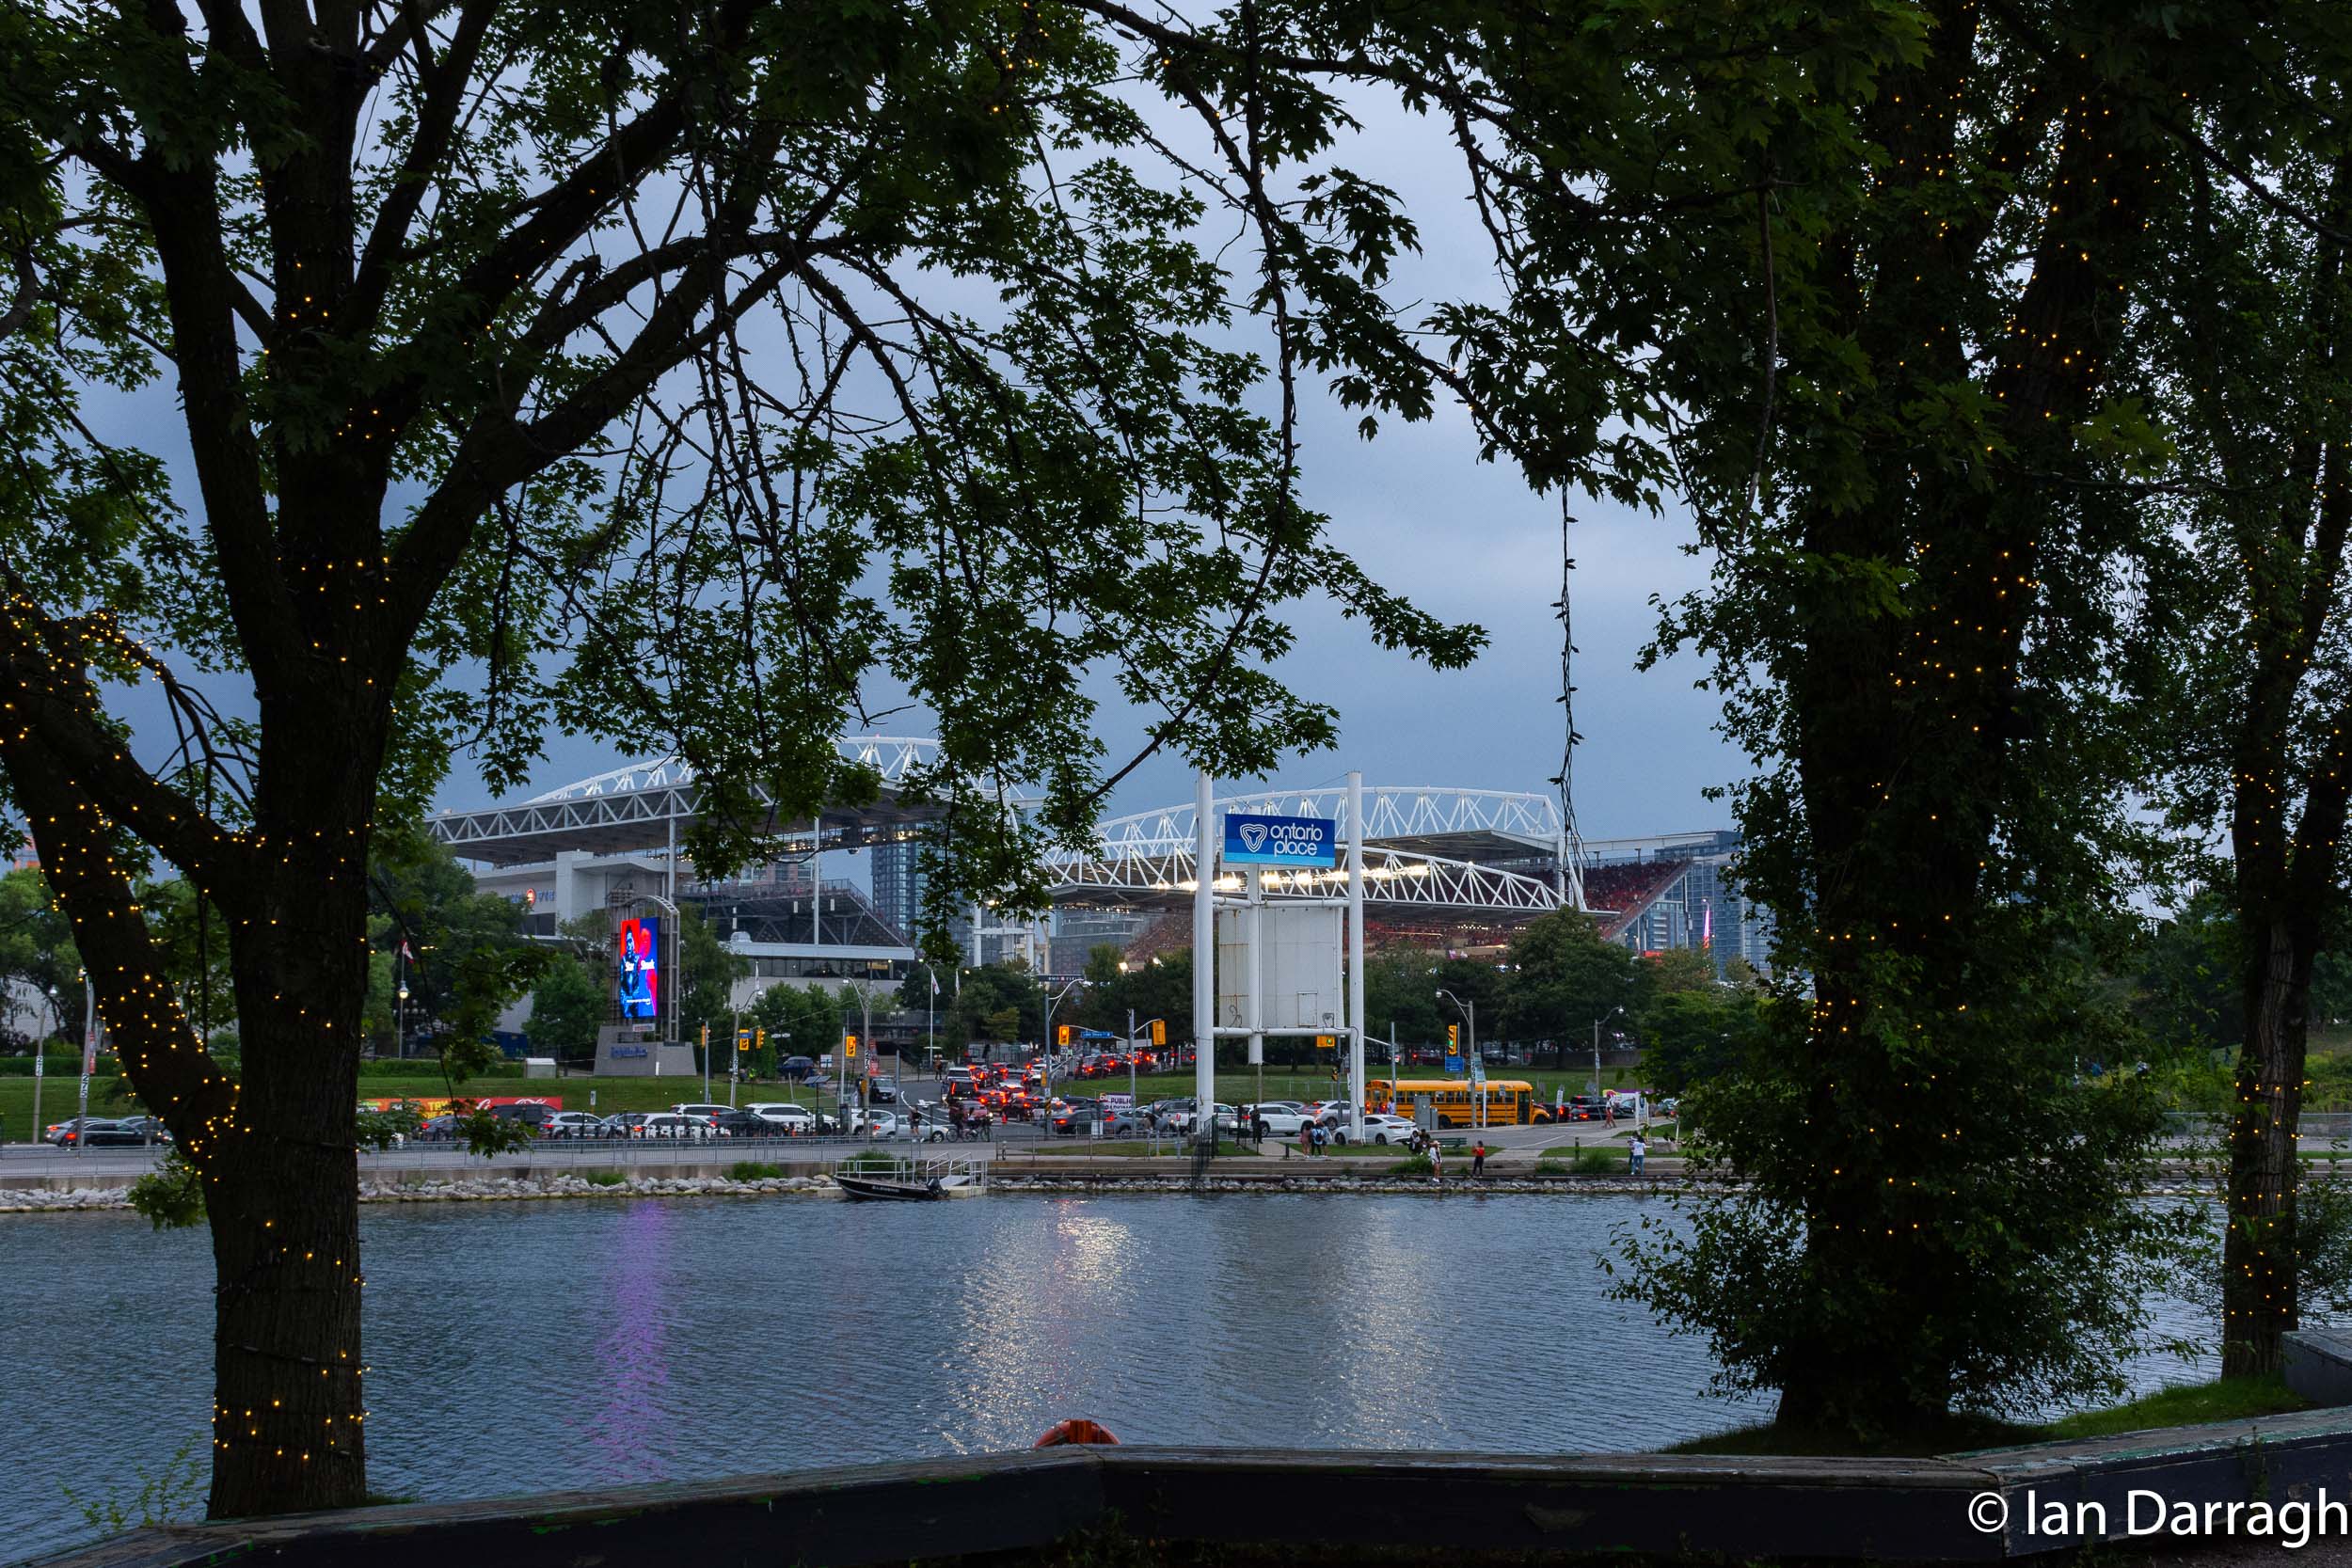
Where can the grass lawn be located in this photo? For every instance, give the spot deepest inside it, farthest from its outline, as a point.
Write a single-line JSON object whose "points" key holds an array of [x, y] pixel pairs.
{"points": [[2186, 1404]]}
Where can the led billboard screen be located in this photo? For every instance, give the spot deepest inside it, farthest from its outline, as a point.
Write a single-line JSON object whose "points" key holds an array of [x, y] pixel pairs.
{"points": [[641, 968]]}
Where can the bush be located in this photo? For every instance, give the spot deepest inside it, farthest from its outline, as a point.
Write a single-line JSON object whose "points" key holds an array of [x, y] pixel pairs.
{"points": [[603, 1177], [1413, 1165], [1593, 1160], [56, 1065], [753, 1170]]}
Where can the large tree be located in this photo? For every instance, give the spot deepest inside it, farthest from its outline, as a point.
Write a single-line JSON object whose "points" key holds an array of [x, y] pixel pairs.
{"points": [[2249, 345], [1564, 980], [1873, 324], [662, 372]]}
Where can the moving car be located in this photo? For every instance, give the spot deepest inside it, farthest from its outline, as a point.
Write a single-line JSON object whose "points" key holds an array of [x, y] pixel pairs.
{"points": [[130, 1132], [572, 1124], [1276, 1120], [786, 1119]]}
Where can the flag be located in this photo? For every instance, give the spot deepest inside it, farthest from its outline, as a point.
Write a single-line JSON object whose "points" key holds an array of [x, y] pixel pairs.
{"points": [[934, 985], [403, 951], [1707, 926]]}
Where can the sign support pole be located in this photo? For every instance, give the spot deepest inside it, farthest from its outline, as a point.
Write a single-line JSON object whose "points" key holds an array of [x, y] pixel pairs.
{"points": [[1257, 966], [1205, 956], [1356, 955]]}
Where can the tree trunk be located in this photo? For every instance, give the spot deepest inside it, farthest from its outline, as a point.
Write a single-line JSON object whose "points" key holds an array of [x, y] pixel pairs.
{"points": [[2258, 1278]]}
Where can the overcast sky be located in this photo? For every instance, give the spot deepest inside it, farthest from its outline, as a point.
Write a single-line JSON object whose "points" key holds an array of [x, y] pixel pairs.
{"points": [[1468, 541]]}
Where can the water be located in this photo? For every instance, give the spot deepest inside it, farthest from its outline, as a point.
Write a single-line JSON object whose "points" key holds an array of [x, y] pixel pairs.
{"points": [[529, 1347]]}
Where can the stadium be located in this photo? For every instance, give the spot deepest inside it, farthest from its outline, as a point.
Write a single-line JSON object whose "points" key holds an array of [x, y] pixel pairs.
{"points": [[1454, 868]]}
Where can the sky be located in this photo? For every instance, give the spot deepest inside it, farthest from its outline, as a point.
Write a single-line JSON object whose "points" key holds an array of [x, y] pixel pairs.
{"points": [[1467, 540]]}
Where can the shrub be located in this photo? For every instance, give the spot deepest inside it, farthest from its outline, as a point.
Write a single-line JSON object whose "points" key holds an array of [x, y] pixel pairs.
{"points": [[1413, 1165], [753, 1170], [1592, 1160], [603, 1177]]}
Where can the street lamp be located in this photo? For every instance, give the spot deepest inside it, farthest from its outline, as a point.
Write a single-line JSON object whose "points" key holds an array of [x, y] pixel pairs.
{"points": [[1478, 1073], [1051, 1003], [1614, 1012]]}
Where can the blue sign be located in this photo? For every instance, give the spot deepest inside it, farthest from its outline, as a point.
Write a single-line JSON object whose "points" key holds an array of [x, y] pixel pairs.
{"points": [[1302, 841], [1453, 1063]]}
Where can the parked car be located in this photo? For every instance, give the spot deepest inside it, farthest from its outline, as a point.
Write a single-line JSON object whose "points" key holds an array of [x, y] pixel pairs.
{"points": [[796, 1068], [1383, 1129]]}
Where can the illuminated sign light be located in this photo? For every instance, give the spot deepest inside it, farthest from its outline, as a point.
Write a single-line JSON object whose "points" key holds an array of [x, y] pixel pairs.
{"points": [[640, 967]]}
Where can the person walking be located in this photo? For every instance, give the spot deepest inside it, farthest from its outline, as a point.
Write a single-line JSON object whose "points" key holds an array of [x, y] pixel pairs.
{"points": [[1639, 1149], [1436, 1163], [1322, 1136], [1478, 1159]]}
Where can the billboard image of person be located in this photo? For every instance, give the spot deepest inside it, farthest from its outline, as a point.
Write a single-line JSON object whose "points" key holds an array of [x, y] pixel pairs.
{"points": [[641, 968]]}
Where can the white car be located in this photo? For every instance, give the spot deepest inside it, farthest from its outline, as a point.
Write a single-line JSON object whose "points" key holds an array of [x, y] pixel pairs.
{"points": [[1379, 1129], [875, 1124], [670, 1124], [1278, 1121], [572, 1124], [786, 1117]]}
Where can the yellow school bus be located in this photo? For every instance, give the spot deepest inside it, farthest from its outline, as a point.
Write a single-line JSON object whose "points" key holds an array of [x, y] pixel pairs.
{"points": [[1510, 1102]]}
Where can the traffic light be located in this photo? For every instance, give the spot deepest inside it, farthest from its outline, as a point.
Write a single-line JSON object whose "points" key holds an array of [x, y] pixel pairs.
{"points": [[706, 1036], [759, 1039], [1326, 1042], [849, 1047], [1159, 1031], [1454, 1036], [1061, 1034]]}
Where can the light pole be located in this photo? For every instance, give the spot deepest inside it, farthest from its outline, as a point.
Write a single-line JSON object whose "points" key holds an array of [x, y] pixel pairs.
{"points": [[930, 1016], [1470, 1012], [1051, 1003], [57, 1015], [865, 1025], [1604, 1018]]}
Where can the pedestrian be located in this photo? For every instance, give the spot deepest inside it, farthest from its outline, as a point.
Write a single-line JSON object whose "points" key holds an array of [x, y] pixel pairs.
{"points": [[1323, 1135], [1307, 1137], [1639, 1149], [1478, 1157], [1436, 1163]]}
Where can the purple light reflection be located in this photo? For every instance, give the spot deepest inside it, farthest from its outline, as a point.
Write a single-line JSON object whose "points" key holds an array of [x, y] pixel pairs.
{"points": [[632, 1358]]}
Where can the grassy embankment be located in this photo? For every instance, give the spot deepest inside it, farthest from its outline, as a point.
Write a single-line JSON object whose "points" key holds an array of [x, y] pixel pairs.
{"points": [[2186, 1404]]}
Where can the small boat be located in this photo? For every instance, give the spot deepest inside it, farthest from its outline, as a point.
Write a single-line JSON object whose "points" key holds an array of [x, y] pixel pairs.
{"points": [[885, 1188]]}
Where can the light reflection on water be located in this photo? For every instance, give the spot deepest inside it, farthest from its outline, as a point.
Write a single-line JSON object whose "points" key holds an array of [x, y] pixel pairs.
{"points": [[517, 1348]]}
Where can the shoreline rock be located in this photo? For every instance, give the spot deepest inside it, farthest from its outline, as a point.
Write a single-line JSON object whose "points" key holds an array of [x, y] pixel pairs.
{"points": [[488, 1189]]}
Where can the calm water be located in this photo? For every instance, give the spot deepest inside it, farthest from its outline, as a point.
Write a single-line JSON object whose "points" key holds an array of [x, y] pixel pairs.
{"points": [[522, 1347]]}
